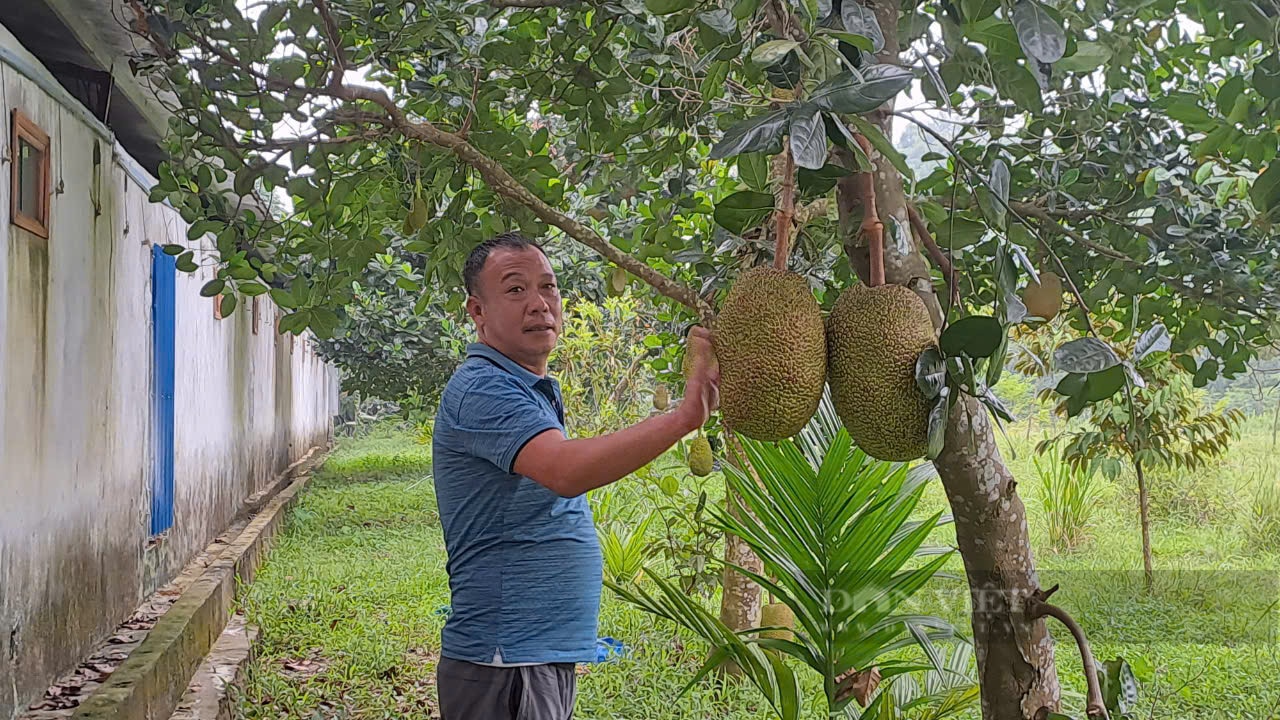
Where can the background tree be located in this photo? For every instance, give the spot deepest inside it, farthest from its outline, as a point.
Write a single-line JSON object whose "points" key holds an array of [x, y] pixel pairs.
{"points": [[1158, 421], [1135, 141]]}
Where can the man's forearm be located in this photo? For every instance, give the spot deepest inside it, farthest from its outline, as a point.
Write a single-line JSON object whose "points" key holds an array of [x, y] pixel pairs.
{"points": [[572, 467]]}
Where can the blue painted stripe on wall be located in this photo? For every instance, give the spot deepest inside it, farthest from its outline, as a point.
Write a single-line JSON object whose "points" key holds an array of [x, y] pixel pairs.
{"points": [[163, 281]]}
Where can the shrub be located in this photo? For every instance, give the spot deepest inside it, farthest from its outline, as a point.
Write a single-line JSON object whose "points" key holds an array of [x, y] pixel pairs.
{"points": [[1263, 530], [1069, 495]]}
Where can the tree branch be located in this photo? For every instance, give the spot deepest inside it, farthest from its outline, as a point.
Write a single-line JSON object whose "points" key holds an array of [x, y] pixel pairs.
{"points": [[502, 182], [940, 259], [786, 207], [872, 228], [1037, 606], [334, 37], [529, 3], [1066, 276]]}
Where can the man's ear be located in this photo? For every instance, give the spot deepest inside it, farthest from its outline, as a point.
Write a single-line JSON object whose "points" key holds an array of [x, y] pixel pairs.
{"points": [[474, 309]]}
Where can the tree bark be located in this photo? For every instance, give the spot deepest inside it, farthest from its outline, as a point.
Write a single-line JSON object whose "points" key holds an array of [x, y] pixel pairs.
{"points": [[1015, 652], [739, 595], [1144, 513]]}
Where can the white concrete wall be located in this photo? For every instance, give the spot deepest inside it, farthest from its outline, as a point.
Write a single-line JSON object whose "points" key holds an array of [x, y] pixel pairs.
{"points": [[75, 383]]}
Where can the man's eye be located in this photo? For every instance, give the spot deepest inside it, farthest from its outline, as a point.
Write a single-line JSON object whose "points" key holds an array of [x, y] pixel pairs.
{"points": [[514, 289]]}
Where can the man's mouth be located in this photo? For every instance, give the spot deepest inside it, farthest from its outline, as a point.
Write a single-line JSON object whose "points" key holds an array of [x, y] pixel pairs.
{"points": [[539, 328]]}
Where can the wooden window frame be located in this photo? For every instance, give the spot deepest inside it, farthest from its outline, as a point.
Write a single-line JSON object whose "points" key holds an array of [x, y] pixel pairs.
{"points": [[254, 306], [24, 128], [217, 306]]}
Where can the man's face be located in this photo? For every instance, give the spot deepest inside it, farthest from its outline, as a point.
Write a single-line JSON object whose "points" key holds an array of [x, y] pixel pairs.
{"points": [[516, 306]]}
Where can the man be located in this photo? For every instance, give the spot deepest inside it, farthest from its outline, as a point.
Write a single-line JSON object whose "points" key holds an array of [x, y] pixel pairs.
{"points": [[523, 558]]}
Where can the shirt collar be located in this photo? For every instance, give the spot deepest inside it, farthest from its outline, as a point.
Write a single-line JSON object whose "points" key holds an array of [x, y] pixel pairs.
{"points": [[479, 349]]}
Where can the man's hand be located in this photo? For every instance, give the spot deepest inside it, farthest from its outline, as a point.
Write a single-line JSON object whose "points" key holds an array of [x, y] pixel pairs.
{"points": [[702, 389], [572, 467]]}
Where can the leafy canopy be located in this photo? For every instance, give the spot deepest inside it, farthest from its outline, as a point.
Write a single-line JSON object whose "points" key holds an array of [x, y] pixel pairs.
{"points": [[1129, 145]]}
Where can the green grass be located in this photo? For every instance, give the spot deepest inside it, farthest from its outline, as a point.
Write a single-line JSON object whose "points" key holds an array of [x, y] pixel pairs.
{"points": [[349, 599]]}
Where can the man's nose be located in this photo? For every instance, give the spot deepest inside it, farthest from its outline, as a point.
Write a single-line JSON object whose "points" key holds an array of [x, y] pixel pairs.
{"points": [[538, 304]]}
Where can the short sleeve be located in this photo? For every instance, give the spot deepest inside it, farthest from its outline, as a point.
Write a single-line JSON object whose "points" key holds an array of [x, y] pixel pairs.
{"points": [[498, 416]]}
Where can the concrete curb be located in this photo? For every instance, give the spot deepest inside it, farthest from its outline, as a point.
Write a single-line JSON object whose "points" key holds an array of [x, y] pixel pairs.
{"points": [[149, 684]]}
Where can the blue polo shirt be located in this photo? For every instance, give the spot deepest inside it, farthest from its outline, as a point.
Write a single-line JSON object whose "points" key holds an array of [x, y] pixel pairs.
{"points": [[524, 563]]}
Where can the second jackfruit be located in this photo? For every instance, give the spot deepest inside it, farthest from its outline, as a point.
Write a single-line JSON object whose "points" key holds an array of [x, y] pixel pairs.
{"points": [[874, 337]]}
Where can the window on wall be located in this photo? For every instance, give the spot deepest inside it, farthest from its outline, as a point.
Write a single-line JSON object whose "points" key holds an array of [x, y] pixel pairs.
{"points": [[29, 178]]}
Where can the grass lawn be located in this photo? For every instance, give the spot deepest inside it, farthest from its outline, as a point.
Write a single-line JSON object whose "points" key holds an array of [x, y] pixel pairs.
{"points": [[351, 600]]}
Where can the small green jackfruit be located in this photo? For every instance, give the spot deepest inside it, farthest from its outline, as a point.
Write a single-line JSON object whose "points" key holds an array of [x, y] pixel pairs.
{"points": [[617, 282], [1044, 299], [700, 461], [779, 615], [771, 347], [660, 398], [874, 337]]}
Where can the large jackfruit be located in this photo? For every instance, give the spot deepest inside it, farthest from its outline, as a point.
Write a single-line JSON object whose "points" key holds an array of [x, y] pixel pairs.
{"points": [[771, 346], [874, 337]]}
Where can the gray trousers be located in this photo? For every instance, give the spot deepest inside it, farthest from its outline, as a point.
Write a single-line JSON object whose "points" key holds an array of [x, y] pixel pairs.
{"points": [[480, 692]]}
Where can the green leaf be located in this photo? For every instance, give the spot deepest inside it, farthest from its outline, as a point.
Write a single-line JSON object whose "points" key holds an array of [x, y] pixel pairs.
{"points": [[1085, 355], [861, 42], [852, 94], [760, 133], [1206, 374], [1041, 36], [1228, 93], [1072, 384], [270, 18], [186, 262], [753, 169], [960, 230], [200, 228], [252, 289], [1265, 192], [213, 287], [977, 10], [1266, 76], [1121, 693], [1016, 83], [994, 204], [937, 427], [995, 366], [881, 143], [808, 137], [996, 405], [1154, 340], [772, 52], [976, 336], [817, 182], [861, 20], [743, 211], [173, 249], [666, 7], [1104, 384], [1089, 56], [228, 305], [931, 373], [282, 298], [1203, 172]]}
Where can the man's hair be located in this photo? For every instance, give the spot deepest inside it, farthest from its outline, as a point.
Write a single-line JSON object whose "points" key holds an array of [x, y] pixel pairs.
{"points": [[479, 255]]}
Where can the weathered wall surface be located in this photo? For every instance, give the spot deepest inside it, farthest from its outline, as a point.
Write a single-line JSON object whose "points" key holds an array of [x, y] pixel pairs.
{"points": [[75, 382]]}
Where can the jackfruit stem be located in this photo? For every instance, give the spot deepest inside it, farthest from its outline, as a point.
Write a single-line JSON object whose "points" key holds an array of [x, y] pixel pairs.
{"points": [[872, 228], [786, 208]]}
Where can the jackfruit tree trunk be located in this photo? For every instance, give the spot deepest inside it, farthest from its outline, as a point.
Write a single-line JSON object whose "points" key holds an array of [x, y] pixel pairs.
{"points": [[739, 596], [1017, 676]]}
